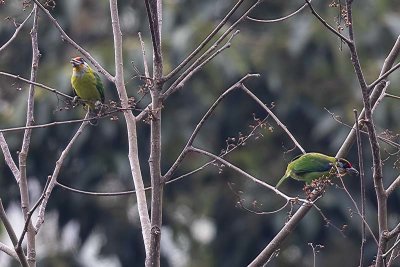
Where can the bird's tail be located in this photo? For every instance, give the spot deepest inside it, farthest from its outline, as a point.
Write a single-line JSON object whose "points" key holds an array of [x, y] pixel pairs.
{"points": [[281, 181]]}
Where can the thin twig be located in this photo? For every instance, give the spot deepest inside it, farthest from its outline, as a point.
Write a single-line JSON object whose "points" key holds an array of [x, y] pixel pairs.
{"points": [[276, 119], [235, 168], [241, 204], [54, 176], [329, 27], [23, 154], [394, 254], [54, 123], [65, 37], [393, 186], [37, 84], [358, 211], [374, 95], [382, 96], [30, 213], [201, 65], [198, 61], [226, 152], [353, 128], [154, 16], [392, 96], [8, 158], [17, 30], [204, 42], [7, 224], [209, 51], [393, 232], [98, 194], [281, 18], [184, 151], [274, 244], [12, 235], [9, 251], [362, 185], [384, 75], [391, 249], [327, 221], [376, 156], [315, 251], [146, 67]]}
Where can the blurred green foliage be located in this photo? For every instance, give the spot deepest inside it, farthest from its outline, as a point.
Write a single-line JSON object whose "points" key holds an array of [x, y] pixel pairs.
{"points": [[304, 71]]}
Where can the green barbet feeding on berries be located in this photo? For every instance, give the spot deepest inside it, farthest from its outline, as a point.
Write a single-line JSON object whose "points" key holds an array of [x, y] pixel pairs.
{"points": [[87, 85], [311, 166]]}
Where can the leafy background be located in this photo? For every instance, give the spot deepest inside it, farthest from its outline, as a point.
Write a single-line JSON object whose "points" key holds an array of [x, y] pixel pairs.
{"points": [[305, 71]]}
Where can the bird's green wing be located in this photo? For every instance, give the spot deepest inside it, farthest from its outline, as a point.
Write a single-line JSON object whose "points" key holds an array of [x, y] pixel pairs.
{"points": [[99, 86], [312, 164]]}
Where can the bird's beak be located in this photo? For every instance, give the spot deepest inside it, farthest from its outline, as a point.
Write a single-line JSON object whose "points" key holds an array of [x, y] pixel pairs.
{"points": [[75, 62], [352, 171]]}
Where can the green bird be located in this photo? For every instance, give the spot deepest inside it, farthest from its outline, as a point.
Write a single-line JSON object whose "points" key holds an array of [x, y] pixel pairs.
{"points": [[311, 166], [87, 85]]}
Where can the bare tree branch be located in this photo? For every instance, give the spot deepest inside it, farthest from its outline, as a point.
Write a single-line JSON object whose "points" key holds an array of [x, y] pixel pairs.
{"points": [[247, 91], [392, 248], [130, 119], [376, 156], [360, 122], [37, 84], [281, 18], [8, 158], [384, 75], [392, 96], [23, 154], [245, 174], [146, 67], [54, 123], [394, 252], [154, 14], [287, 229], [173, 87], [54, 176], [374, 96], [12, 235], [329, 27], [17, 30], [360, 213], [202, 64], [175, 165], [393, 232], [97, 194], [9, 251], [226, 152], [204, 42], [362, 188], [28, 222], [65, 37], [393, 186], [45, 125]]}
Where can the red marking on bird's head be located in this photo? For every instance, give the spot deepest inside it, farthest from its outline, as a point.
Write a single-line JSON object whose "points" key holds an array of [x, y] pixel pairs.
{"points": [[77, 61], [345, 164]]}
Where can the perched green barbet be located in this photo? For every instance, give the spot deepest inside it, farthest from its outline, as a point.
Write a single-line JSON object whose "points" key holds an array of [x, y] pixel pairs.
{"points": [[87, 85], [311, 166]]}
